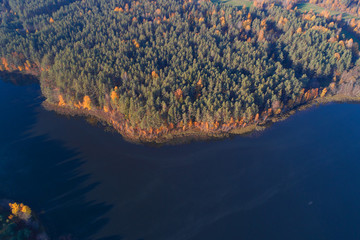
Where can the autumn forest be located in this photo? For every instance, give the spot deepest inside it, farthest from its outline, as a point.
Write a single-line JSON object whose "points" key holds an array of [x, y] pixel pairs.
{"points": [[151, 68]]}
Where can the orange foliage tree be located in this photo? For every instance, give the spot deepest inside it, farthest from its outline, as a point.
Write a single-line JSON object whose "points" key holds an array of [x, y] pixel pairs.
{"points": [[20, 210], [87, 103], [61, 101], [114, 96]]}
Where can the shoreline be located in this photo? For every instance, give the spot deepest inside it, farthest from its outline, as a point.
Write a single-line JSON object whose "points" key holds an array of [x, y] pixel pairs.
{"points": [[179, 136], [172, 137]]}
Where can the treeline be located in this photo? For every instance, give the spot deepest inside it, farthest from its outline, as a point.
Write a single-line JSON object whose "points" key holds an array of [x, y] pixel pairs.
{"points": [[170, 62]]}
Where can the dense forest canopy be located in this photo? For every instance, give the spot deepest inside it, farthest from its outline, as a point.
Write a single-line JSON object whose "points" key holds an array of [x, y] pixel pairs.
{"points": [[173, 62]]}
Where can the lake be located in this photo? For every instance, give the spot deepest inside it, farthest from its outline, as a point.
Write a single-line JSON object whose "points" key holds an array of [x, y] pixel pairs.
{"points": [[299, 179]]}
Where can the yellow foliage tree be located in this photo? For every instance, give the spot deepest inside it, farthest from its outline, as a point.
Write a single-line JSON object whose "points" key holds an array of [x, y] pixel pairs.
{"points": [[324, 91], [27, 65], [222, 21], [5, 64], [61, 101], [256, 117], [15, 208], [87, 103], [20, 210], [114, 96], [325, 14], [137, 45], [25, 212], [154, 74], [199, 83], [352, 23], [118, 9]]}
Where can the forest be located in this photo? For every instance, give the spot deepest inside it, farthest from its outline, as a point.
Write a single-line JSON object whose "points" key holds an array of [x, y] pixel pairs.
{"points": [[175, 64]]}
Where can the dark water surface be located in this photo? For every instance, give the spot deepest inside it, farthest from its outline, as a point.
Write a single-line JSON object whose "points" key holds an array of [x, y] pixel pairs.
{"points": [[300, 179]]}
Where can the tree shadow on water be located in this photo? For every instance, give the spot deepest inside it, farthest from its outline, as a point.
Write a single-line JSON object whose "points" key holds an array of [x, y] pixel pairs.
{"points": [[45, 174], [18, 78]]}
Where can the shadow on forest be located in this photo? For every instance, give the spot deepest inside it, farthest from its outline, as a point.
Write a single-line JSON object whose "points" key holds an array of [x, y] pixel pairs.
{"points": [[44, 174]]}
